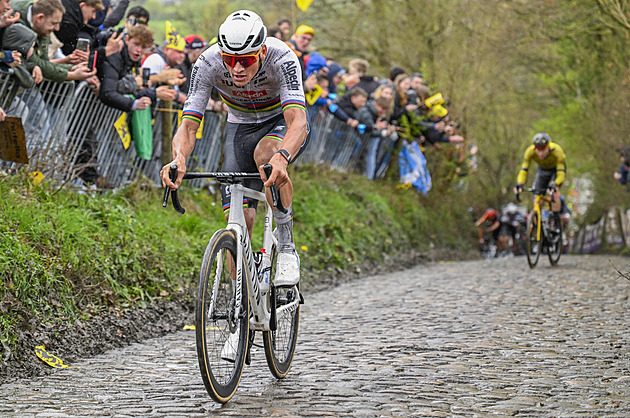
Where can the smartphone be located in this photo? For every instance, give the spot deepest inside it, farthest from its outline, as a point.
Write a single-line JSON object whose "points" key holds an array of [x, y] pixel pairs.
{"points": [[83, 44], [92, 64], [146, 73]]}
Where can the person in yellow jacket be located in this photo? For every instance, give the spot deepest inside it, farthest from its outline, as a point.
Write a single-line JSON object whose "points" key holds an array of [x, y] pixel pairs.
{"points": [[552, 169]]}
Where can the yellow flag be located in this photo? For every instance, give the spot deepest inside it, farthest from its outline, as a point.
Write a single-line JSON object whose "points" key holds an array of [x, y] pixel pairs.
{"points": [[313, 95], [434, 100], [123, 130], [439, 111], [199, 131], [303, 4], [173, 39]]}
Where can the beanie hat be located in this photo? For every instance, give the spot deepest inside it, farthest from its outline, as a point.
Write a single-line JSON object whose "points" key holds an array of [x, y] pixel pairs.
{"points": [[302, 29]]}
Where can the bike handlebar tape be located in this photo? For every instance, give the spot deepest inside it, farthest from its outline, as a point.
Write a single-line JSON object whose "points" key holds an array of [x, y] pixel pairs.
{"points": [[172, 174], [275, 195]]}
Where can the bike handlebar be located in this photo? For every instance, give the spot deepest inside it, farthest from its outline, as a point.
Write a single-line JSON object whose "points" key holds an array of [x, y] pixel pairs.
{"points": [[531, 189], [222, 177], [275, 194]]}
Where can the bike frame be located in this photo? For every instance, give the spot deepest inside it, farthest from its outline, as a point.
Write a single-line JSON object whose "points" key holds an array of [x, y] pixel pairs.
{"points": [[258, 298], [538, 202]]}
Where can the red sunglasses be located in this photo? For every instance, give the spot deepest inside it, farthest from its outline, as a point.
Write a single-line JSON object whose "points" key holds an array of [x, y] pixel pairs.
{"points": [[245, 60]]}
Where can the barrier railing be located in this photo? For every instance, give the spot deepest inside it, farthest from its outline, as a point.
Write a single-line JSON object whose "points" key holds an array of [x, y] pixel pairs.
{"points": [[610, 232], [69, 132], [333, 143]]}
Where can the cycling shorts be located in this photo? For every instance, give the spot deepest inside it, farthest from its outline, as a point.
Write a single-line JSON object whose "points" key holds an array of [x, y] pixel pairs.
{"points": [[241, 140], [543, 178]]}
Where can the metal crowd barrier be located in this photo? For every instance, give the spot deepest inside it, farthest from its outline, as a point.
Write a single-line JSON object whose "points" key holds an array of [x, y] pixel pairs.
{"points": [[44, 113], [6, 88], [69, 130], [333, 143]]}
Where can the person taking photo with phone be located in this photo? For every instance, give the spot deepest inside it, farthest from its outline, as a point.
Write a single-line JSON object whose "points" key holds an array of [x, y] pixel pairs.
{"points": [[76, 16], [119, 81], [44, 17]]}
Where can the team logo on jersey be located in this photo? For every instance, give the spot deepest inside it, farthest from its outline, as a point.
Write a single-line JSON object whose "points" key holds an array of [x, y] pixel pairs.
{"points": [[290, 72], [249, 94], [193, 75], [281, 56]]}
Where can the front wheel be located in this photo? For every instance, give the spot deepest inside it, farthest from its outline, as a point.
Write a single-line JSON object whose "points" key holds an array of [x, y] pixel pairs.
{"points": [[533, 244], [555, 241], [222, 329], [280, 344]]}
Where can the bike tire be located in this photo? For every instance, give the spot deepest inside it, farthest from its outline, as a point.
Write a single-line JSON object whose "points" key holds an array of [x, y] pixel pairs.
{"points": [[215, 320], [280, 344], [555, 248], [533, 245]]}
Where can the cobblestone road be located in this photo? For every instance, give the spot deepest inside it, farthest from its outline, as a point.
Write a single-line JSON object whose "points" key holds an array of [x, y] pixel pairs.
{"points": [[467, 339]]}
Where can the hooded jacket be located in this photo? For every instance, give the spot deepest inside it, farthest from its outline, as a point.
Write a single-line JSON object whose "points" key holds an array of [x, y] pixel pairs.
{"points": [[51, 71], [115, 68], [18, 37], [315, 63], [71, 24], [369, 116]]}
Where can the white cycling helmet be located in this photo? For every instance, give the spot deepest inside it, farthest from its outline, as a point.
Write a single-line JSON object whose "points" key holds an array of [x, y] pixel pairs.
{"points": [[242, 32]]}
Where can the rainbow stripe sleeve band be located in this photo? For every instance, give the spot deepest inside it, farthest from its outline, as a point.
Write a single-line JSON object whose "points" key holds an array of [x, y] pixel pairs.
{"points": [[297, 104], [192, 115]]}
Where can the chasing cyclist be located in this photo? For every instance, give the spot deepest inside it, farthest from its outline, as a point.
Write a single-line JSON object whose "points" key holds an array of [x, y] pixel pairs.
{"points": [[260, 80], [551, 170]]}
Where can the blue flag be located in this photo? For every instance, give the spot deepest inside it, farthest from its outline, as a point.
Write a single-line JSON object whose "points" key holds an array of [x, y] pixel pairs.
{"points": [[413, 167]]}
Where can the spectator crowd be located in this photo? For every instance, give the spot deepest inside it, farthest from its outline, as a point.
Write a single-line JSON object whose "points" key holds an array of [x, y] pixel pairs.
{"points": [[109, 45]]}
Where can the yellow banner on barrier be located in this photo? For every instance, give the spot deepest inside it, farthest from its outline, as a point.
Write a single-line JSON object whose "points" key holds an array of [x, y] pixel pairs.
{"points": [[199, 131], [123, 130]]}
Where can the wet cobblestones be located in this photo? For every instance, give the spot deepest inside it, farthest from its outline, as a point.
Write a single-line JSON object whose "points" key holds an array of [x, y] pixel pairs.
{"points": [[456, 339]]}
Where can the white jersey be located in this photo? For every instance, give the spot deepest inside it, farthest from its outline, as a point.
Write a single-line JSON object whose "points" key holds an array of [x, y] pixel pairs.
{"points": [[277, 86]]}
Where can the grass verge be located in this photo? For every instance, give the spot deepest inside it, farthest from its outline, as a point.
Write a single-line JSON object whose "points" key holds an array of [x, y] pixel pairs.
{"points": [[67, 256]]}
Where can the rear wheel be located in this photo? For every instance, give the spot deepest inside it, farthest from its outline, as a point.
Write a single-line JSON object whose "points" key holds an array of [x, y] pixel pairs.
{"points": [[222, 333], [533, 244], [555, 241], [280, 344]]}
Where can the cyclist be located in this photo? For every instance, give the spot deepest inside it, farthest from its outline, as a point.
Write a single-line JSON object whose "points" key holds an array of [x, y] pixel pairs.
{"points": [[260, 80], [511, 221], [551, 170], [491, 218]]}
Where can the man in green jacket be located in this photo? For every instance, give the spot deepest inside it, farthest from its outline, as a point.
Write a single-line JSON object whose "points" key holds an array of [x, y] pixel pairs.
{"points": [[44, 17]]}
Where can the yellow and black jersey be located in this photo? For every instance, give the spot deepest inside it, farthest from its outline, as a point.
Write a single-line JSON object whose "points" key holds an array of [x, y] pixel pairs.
{"points": [[555, 160]]}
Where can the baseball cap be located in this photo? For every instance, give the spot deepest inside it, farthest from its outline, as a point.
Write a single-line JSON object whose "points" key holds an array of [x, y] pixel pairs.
{"points": [[304, 29], [194, 42]]}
